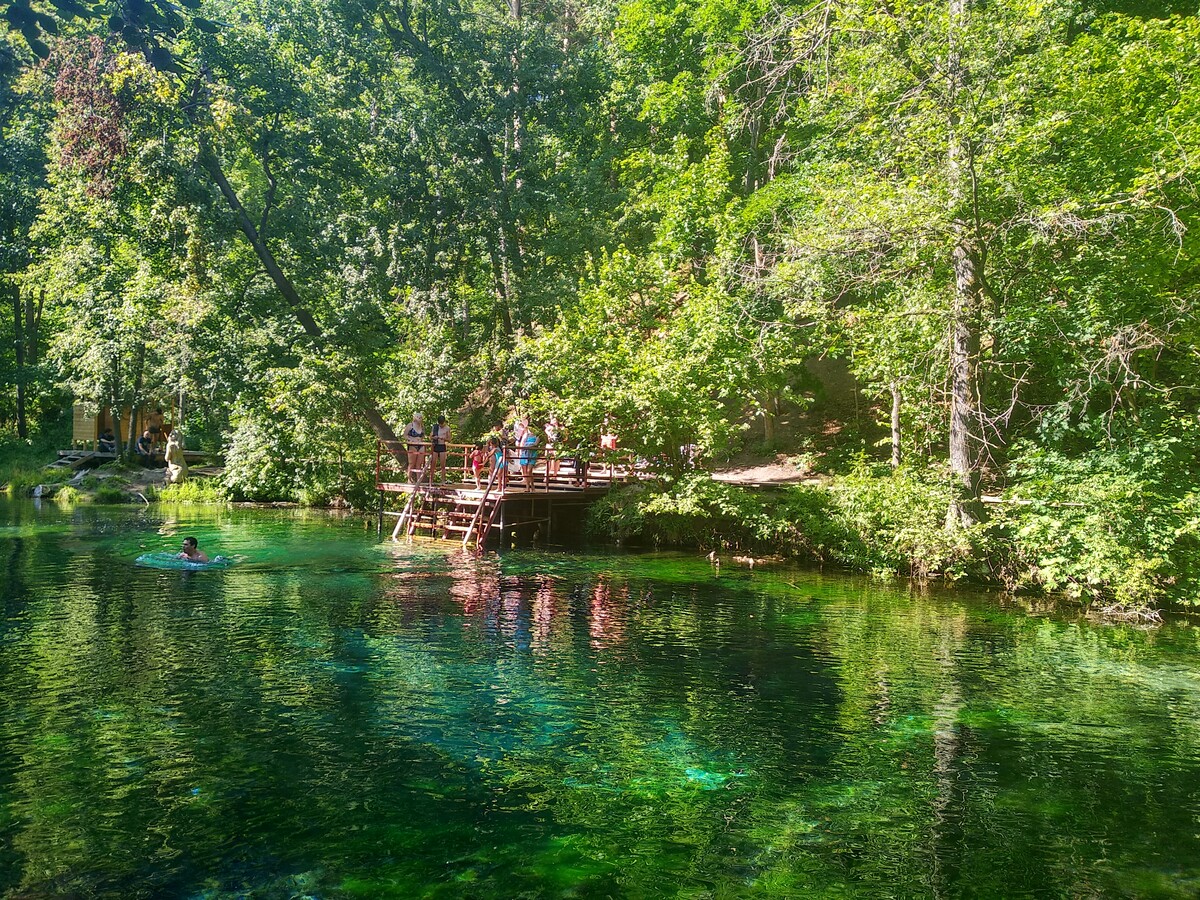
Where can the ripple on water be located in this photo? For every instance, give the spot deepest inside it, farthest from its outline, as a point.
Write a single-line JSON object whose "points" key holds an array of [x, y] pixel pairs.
{"points": [[338, 716]]}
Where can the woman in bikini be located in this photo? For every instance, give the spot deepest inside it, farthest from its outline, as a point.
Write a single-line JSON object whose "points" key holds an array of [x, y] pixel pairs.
{"points": [[414, 435]]}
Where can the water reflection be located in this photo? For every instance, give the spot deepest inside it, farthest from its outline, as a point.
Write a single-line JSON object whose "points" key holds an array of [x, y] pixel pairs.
{"points": [[338, 717]]}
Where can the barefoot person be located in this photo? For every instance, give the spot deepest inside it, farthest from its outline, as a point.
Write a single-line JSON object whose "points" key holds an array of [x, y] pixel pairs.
{"points": [[527, 440], [154, 423], [440, 440], [498, 463], [191, 552], [476, 464], [555, 436], [414, 435]]}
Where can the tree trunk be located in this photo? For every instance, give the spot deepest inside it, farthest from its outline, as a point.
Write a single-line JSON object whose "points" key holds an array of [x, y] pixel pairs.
{"points": [[114, 404], [19, 347], [208, 159], [895, 425], [967, 258], [768, 424], [135, 400], [33, 326]]}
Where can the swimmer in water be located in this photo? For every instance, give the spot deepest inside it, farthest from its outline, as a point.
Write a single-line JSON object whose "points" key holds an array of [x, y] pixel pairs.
{"points": [[191, 552]]}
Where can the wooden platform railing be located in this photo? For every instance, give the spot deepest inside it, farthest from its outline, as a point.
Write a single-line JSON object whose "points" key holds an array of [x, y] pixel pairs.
{"points": [[575, 470]]}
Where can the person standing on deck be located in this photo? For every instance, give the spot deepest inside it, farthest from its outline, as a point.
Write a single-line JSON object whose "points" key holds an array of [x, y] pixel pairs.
{"points": [[527, 441], [608, 436], [476, 464], [498, 463], [414, 435], [154, 422], [440, 439], [555, 435]]}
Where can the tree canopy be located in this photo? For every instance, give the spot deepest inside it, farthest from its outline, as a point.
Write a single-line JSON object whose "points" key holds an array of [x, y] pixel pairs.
{"points": [[313, 218]]}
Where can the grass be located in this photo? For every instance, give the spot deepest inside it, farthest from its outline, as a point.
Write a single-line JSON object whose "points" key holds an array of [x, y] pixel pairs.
{"points": [[204, 490]]}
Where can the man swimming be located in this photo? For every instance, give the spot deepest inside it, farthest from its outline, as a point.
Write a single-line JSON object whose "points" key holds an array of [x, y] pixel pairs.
{"points": [[191, 552]]}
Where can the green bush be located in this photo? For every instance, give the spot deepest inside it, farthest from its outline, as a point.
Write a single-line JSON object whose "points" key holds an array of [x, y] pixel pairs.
{"points": [[111, 493], [1113, 527], [260, 462], [264, 462], [896, 524], [202, 490], [68, 495], [885, 524], [691, 511], [21, 482]]}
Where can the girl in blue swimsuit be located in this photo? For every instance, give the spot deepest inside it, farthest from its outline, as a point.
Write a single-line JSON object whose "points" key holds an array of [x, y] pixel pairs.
{"points": [[499, 462]]}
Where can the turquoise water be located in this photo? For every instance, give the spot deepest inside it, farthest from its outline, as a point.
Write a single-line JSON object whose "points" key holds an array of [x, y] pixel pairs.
{"points": [[335, 716]]}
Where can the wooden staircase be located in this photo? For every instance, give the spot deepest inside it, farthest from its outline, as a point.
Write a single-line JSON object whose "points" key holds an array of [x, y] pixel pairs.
{"points": [[449, 513], [73, 459], [463, 511]]}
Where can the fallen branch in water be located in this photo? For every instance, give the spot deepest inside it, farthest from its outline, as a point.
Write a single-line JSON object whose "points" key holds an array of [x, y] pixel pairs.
{"points": [[1120, 612]]}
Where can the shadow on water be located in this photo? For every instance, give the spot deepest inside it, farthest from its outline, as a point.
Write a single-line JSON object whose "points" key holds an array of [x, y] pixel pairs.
{"points": [[335, 716]]}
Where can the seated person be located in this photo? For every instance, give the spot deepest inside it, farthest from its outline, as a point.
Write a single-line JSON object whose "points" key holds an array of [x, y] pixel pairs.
{"points": [[191, 551], [145, 448], [107, 442]]}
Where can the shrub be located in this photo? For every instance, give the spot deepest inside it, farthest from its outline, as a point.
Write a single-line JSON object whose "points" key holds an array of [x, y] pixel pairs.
{"points": [[68, 495], [202, 490], [1105, 526], [896, 523], [21, 482], [111, 493], [693, 511], [885, 524]]}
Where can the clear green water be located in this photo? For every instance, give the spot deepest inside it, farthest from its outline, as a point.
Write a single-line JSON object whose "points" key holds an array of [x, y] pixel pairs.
{"points": [[340, 717]]}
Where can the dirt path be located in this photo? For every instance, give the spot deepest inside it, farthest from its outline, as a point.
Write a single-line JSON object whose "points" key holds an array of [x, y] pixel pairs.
{"points": [[781, 471]]}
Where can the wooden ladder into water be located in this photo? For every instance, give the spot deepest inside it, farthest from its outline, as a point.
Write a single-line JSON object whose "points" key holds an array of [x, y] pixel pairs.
{"points": [[474, 527], [446, 512]]}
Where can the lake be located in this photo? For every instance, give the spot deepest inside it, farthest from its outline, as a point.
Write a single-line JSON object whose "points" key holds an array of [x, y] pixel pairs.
{"points": [[339, 716]]}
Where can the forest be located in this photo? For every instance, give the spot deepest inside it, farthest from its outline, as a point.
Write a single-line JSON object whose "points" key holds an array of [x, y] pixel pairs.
{"points": [[304, 220]]}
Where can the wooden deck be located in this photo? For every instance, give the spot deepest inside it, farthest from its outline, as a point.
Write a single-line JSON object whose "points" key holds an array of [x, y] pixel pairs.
{"points": [[74, 459], [458, 510]]}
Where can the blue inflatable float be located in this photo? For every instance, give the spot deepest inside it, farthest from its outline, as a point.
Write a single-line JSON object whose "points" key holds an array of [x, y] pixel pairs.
{"points": [[174, 561]]}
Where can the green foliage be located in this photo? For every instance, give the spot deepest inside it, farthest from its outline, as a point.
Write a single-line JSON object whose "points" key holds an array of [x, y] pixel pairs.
{"points": [[891, 524], [68, 495], [1107, 526], [195, 490], [649, 213], [261, 462], [20, 482], [691, 511], [896, 524]]}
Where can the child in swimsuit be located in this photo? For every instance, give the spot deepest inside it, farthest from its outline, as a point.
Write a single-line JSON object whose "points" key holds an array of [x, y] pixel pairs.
{"points": [[477, 462], [499, 462]]}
